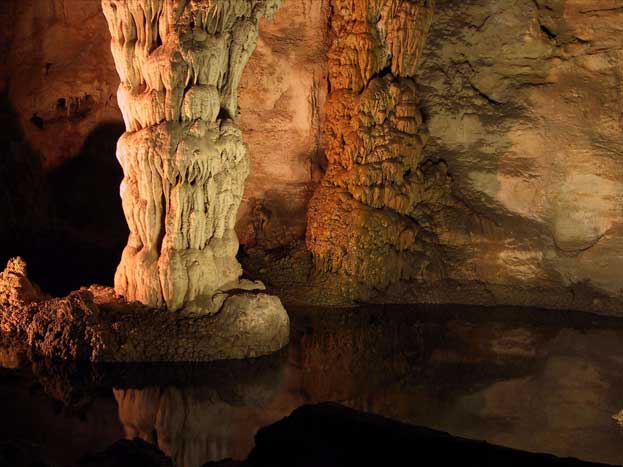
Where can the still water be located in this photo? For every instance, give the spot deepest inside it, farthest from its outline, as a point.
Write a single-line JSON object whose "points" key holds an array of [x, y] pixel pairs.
{"points": [[535, 380]]}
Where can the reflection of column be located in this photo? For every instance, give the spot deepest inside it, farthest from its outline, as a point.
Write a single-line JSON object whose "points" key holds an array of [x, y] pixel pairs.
{"points": [[188, 425], [365, 219], [194, 425], [183, 157]]}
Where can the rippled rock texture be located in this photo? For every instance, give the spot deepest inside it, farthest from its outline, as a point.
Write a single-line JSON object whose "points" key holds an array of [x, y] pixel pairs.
{"points": [[484, 169], [363, 220], [516, 196], [66, 118]]}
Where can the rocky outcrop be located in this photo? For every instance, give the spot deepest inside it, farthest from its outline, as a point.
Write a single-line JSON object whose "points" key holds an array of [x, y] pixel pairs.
{"points": [[370, 217], [526, 130], [514, 198], [65, 107], [96, 325], [15, 288]]}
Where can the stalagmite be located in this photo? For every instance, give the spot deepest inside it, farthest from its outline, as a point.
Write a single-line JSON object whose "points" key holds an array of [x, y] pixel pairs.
{"points": [[367, 219], [183, 157]]}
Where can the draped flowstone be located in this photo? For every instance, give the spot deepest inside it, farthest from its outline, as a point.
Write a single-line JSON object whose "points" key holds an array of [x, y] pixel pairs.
{"points": [[183, 157]]}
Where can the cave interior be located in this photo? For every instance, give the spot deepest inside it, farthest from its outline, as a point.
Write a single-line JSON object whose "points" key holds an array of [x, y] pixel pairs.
{"points": [[311, 232]]}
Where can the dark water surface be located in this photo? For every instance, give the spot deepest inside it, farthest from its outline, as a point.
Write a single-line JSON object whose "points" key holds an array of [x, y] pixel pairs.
{"points": [[535, 380]]}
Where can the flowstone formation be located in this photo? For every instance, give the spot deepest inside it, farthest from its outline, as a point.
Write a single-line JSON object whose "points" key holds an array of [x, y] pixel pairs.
{"points": [[369, 220], [184, 161]]}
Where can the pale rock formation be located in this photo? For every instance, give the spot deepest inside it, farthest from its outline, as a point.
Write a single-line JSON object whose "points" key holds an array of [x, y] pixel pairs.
{"points": [[67, 93], [183, 157], [368, 220]]}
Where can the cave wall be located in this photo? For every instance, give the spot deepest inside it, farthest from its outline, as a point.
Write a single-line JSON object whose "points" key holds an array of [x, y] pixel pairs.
{"points": [[521, 101], [282, 97]]}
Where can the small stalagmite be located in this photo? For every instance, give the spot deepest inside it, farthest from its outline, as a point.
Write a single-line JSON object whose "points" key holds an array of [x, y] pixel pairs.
{"points": [[184, 161]]}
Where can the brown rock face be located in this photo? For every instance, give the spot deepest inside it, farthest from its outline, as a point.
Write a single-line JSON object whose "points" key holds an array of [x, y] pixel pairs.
{"points": [[96, 325], [61, 76], [60, 80], [523, 104], [516, 191], [282, 94], [364, 219]]}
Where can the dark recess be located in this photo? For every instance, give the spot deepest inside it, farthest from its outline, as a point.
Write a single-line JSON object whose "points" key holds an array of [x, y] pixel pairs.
{"points": [[67, 224]]}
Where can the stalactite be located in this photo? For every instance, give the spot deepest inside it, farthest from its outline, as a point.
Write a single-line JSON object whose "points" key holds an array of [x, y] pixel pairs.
{"points": [[365, 218], [183, 157]]}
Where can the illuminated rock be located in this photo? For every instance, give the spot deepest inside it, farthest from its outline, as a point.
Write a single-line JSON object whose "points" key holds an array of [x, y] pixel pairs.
{"points": [[97, 325], [368, 218], [183, 157]]}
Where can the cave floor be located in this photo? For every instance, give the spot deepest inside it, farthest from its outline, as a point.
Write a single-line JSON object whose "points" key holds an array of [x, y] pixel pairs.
{"points": [[540, 381]]}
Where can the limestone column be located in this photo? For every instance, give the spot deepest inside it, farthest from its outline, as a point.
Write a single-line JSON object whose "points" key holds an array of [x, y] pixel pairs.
{"points": [[184, 161], [368, 219]]}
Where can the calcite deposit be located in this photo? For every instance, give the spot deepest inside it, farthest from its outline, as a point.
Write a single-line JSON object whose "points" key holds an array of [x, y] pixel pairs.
{"points": [[183, 157], [369, 219]]}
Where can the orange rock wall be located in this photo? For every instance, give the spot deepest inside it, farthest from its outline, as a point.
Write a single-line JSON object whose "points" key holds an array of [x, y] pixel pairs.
{"points": [[366, 219]]}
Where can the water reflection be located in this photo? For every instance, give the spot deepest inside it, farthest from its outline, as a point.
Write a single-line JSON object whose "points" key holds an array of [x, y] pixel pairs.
{"points": [[206, 421], [533, 380]]}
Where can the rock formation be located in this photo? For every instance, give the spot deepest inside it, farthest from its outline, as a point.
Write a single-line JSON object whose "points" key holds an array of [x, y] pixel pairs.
{"points": [[183, 157], [97, 325], [529, 130], [368, 220]]}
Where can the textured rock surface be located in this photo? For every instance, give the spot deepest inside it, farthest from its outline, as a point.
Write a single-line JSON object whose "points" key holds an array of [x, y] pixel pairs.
{"points": [[523, 104], [183, 157], [528, 130], [97, 325], [59, 73], [368, 218], [282, 94]]}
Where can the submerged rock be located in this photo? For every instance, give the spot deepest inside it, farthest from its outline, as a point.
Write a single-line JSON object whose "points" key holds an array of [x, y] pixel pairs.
{"points": [[330, 434]]}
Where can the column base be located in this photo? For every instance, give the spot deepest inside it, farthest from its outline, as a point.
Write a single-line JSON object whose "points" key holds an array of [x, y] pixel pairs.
{"points": [[94, 324]]}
